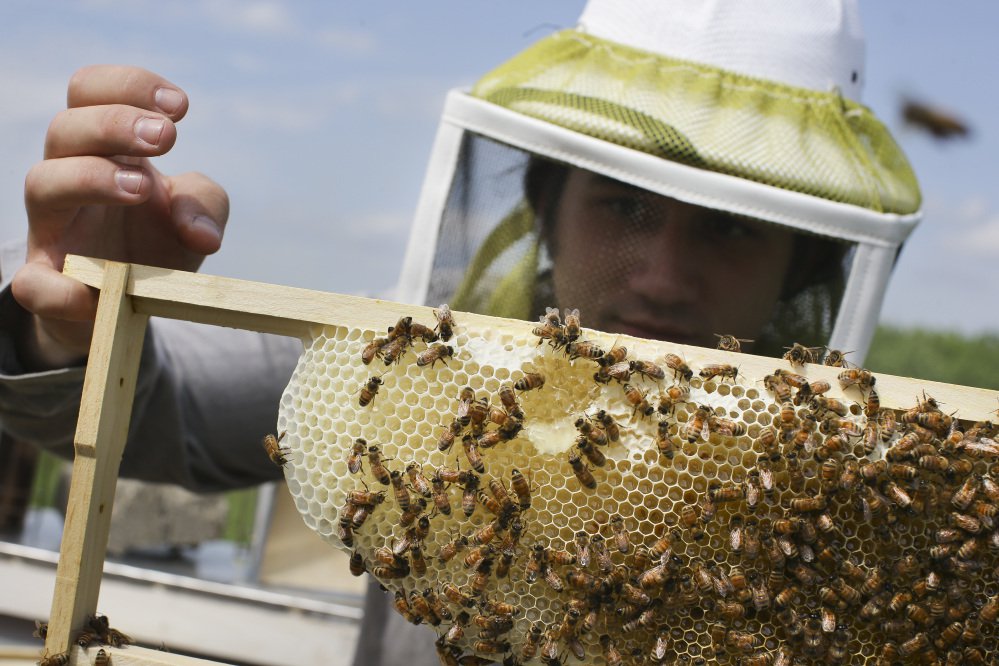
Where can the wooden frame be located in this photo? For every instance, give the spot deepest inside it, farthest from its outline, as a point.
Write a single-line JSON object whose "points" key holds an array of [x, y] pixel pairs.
{"points": [[130, 294]]}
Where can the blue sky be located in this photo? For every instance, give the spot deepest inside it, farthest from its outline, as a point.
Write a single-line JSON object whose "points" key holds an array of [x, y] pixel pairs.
{"points": [[318, 118]]}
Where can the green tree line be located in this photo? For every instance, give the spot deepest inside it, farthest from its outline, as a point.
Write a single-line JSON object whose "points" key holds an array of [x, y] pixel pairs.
{"points": [[970, 360]]}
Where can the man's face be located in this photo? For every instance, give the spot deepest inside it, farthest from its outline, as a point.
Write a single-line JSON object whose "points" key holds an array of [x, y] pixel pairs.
{"points": [[653, 267]]}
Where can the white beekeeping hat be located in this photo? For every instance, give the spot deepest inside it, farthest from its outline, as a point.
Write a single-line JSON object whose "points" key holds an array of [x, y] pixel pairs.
{"points": [[745, 106]]}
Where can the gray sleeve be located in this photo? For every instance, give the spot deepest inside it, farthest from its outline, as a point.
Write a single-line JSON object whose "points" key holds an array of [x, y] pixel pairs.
{"points": [[205, 398]]}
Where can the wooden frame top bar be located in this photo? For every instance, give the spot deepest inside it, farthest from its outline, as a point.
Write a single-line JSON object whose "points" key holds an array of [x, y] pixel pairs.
{"points": [[294, 312]]}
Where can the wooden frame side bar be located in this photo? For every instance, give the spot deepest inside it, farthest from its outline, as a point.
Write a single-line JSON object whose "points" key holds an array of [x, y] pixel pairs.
{"points": [[102, 428]]}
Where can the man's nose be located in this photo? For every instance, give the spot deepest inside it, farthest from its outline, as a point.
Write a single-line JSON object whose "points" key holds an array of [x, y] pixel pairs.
{"points": [[667, 263]]}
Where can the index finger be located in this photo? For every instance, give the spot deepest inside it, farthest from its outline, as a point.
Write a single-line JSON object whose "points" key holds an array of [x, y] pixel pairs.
{"points": [[132, 86]]}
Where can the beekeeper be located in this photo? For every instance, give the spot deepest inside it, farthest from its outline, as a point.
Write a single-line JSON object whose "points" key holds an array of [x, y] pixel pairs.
{"points": [[675, 169]]}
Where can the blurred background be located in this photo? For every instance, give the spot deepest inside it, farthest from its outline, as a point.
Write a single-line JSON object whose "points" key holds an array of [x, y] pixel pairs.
{"points": [[318, 119]]}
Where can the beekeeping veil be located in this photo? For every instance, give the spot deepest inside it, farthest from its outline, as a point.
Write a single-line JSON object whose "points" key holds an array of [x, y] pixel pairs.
{"points": [[748, 107]]}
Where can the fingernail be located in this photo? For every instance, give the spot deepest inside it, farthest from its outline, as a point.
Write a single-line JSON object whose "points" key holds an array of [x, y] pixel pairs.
{"points": [[208, 224], [149, 130], [168, 99], [129, 180]]}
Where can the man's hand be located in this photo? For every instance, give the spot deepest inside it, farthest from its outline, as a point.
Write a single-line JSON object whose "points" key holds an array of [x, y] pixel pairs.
{"points": [[97, 194]]}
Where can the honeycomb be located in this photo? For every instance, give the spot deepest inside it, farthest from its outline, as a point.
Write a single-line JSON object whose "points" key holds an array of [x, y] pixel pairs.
{"points": [[734, 519]]}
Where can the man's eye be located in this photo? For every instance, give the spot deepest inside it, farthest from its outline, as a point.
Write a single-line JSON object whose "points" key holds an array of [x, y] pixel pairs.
{"points": [[622, 206], [728, 227]]}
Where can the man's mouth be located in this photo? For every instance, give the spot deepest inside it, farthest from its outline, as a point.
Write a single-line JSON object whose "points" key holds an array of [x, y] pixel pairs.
{"points": [[653, 330]]}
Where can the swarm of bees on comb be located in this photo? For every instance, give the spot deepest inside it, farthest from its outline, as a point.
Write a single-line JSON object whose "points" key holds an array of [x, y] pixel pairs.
{"points": [[545, 496]]}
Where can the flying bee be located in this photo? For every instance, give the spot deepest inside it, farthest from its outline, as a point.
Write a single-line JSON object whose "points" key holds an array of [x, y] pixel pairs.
{"points": [[679, 367], [798, 354], [434, 353], [730, 342], [581, 470], [471, 447], [647, 369], [723, 370], [862, 379], [369, 391], [638, 401], [445, 322], [277, 453], [530, 381]]}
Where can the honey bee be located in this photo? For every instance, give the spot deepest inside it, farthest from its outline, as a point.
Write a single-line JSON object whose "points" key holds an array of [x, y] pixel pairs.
{"points": [[402, 497], [378, 469], [862, 379], [620, 371], [776, 385], [102, 658], [277, 453], [609, 425], [612, 656], [372, 349], [725, 427], [471, 447], [445, 322], [679, 367], [369, 391], [647, 369], [572, 324], [60, 659], [582, 471], [823, 404], [522, 488], [727, 493], [584, 349], [798, 354], [532, 640], [698, 425], [722, 370], [529, 381], [730, 342], [434, 353], [663, 440], [393, 350], [638, 401], [508, 398], [617, 354], [599, 549], [469, 490]]}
